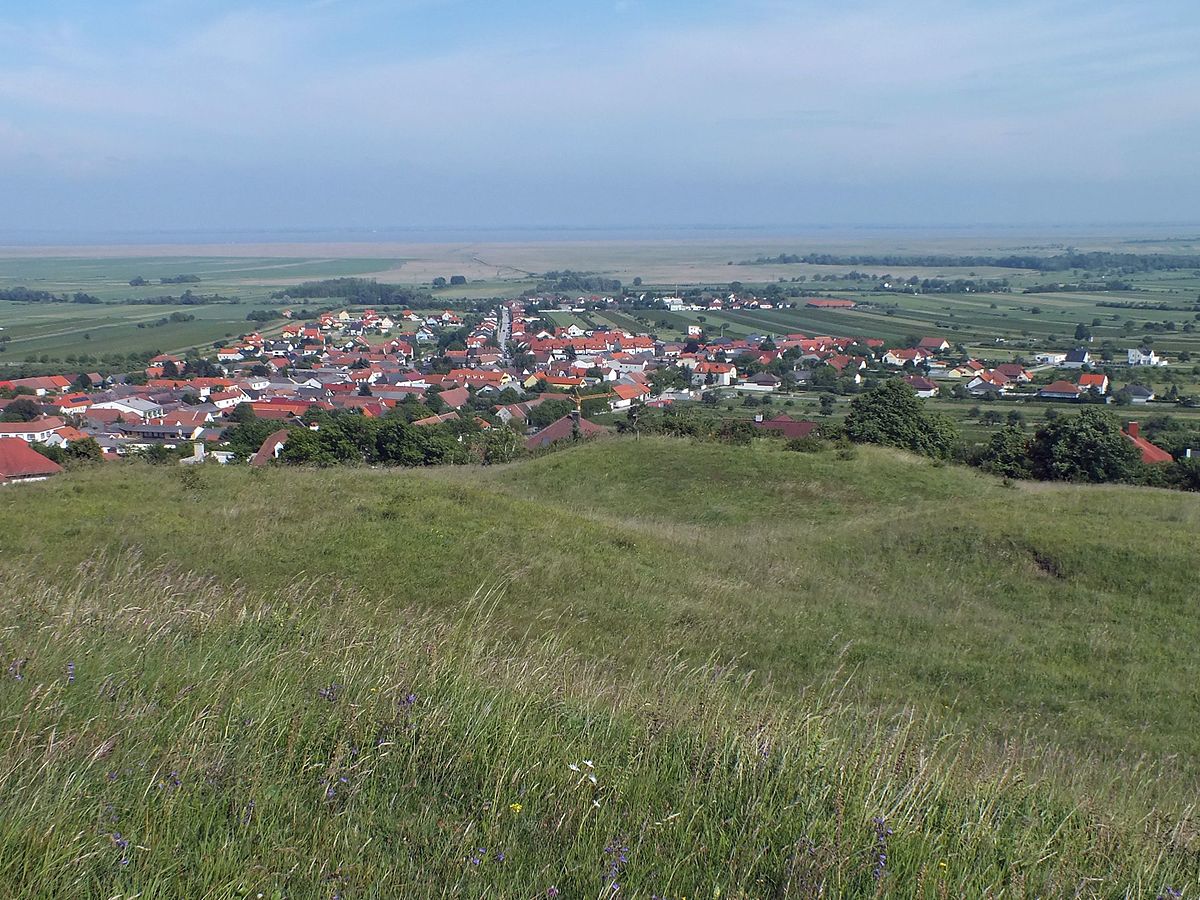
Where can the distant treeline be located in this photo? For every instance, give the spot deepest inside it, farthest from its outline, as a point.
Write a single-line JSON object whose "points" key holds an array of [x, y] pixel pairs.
{"points": [[948, 286], [1145, 304], [1112, 285], [355, 291], [187, 298], [1125, 263], [577, 281]]}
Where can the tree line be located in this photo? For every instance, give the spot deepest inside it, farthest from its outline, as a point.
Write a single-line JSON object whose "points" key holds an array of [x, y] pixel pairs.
{"points": [[356, 292], [1124, 263]]}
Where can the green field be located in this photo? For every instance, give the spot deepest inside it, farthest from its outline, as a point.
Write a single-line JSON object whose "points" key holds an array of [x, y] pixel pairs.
{"points": [[760, 650], [59, 330]]}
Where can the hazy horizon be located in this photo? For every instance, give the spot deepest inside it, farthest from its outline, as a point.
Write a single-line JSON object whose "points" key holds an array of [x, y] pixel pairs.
{"points": [[147, 117]]}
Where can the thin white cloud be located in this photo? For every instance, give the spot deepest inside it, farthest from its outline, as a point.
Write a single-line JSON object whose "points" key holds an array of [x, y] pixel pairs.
{"points": [[873, 91]]}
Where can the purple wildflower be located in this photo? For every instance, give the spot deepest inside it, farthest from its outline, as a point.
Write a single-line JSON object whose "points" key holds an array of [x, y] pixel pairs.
{"points": [[616, 855], [16, 668], [248, 812], [406, 703], [478, 857], [1169, 893], [70, 673], [122, 844], [552, 891], [330, 693], [882, 832]]}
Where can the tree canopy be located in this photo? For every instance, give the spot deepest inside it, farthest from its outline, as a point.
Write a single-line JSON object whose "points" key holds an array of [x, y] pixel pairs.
{"points": [[1086, 447], [892, 414]]}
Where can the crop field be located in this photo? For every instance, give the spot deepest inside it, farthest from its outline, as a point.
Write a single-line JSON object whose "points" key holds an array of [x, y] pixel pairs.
{"points": [[62, 329]]}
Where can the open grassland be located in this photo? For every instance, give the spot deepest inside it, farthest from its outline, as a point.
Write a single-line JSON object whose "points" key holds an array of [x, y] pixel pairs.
{"points": [[1047, 608], [373, 683]]}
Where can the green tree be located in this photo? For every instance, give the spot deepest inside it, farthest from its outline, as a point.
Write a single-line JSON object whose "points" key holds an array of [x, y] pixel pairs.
{"points": [[21, 410], [892, 414], [1007, 454], [1086, 447], [550, 411], [84, 451]]}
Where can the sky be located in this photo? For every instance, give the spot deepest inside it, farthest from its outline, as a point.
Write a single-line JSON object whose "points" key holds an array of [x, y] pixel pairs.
{"points": [[210, 114]]}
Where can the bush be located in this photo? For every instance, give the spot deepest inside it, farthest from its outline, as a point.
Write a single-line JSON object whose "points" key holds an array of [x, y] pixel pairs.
{"points": [[808, 444]]}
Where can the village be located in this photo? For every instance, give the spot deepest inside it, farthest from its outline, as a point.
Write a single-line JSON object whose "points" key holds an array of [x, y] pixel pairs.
{"points": [[509, 368]]}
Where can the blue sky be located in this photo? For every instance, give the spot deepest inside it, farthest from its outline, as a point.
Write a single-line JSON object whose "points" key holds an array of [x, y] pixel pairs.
{"points": [[135, 114]]}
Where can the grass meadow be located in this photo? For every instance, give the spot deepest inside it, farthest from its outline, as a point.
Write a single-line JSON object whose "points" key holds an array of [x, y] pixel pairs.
{"points": [[781, 666]]}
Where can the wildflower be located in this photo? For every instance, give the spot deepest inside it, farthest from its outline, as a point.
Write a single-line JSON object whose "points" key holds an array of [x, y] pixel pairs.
{"points": [[515, 807], [617, 855], [882, 832], [574, 767], [16, 668], [591, 778], [942, 865], [1169, 893], [330, 693], [405, 703], [480, 855], [122, 844], [70, 673], [589, 764], [552, 891]]}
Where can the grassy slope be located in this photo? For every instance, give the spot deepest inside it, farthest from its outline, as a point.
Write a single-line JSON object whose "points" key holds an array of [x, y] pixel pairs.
{"points": [[1062, 612]]}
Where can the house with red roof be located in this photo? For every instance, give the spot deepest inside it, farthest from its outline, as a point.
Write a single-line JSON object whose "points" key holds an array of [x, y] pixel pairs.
{"points": [[41, 431], [625, 395], [923, 386], [986, 382], [20, 462], [1151, 454], [43, 385], [1059, 390], [270, 449], [564, 429], [787, 426], [1094, 381], [899, 358]]}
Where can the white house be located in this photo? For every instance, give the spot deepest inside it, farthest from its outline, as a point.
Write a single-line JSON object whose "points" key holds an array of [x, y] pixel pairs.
{"points": [[41, 431], [1144, 356], [136, 406]]}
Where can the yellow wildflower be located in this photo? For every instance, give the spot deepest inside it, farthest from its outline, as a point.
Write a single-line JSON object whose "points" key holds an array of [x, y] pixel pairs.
{"points": [[515, 807]]}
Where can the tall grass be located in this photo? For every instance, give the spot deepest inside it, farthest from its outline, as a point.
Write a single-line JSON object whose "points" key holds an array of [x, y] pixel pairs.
{"points": [[164, 735]]}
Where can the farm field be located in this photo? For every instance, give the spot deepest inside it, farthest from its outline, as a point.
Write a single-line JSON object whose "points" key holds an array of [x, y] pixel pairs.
{"points": [[252, 272], [70, 329]]}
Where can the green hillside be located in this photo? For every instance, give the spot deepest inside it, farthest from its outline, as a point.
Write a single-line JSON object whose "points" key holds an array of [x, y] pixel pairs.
{"points": [[319, 683]]}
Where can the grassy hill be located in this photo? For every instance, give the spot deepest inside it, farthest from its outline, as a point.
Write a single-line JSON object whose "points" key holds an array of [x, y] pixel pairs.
{"points": [[343, 682]]}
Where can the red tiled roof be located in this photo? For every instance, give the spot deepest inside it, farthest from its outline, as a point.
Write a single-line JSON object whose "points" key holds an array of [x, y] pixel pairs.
{"points": [[19, 460], [562, 430], [787, 426]]}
